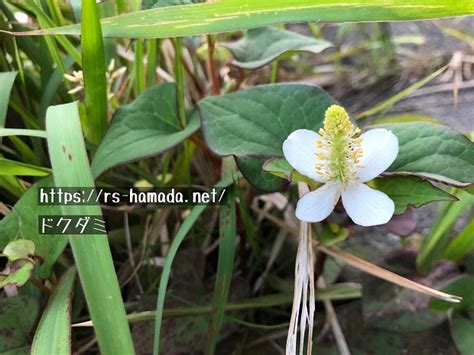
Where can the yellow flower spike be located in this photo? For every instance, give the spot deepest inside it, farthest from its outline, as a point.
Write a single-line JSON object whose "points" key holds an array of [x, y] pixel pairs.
{"points": [[341, 151]]}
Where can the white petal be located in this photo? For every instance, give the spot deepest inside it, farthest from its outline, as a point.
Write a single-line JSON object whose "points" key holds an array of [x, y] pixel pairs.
{"points": [[380, 149], [366, 206], [300, 150], [316, 205]]}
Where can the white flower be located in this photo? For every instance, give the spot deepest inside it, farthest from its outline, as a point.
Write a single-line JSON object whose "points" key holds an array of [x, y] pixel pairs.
{"points": [[343, 163]]}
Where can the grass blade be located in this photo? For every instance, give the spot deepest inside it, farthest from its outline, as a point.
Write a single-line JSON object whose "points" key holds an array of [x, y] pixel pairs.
{"points": [[225, 265], [338, 291], [462, 245], [231, 15], [437, 240], [6, 84], [91, 252], [93, 64], [53, 335], [5, 132], [401, 95], [165, 275], [12, 167]]}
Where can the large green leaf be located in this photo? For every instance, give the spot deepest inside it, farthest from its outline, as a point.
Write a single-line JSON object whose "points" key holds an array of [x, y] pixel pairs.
{"points": [[146, 127], [262, 45], [433, 151], [53, 335], [410, 191], [231, 15], [22, 222], [17, 318], [254, 123], [91, 252]]}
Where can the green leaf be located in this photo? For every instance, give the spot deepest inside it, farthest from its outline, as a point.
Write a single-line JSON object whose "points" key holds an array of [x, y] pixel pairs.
{"points": [[93, 66], [225, 266], [165, 275], [410, 191], [280, 167], [53, 335], [256, 121], [461, 245], [154, 4], [434, 152], [260, 46], [19, 249], [252, 169], [22, 222], [147, 127], [409, 117], [4, 132], [332, 233], [20, 273], [231, 15], [6, 84], [17, 318], [385, 105], [14, 168], [436, 241], [462, 328], [461, 286], [91, 252]]}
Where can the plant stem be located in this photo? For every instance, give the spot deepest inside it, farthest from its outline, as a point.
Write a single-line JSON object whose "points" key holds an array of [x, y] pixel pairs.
{"points": [[179, 77], [212, 66], [274, 77]]}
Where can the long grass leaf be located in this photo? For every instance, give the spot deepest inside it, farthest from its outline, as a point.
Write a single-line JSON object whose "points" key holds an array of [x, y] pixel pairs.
{"points": [[461, 245], [165, 275], [91, 252], [93, 64], [399, 96], [339, 291], [437, 240], [231, 15], [225, 265], [53, 335], [6, 84]]}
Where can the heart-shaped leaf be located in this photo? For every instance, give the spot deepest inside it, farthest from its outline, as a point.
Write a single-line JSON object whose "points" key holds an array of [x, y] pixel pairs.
{"points": [[260, 46], [433, 151], [410, 191], [146, 127], [256, 121]]}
